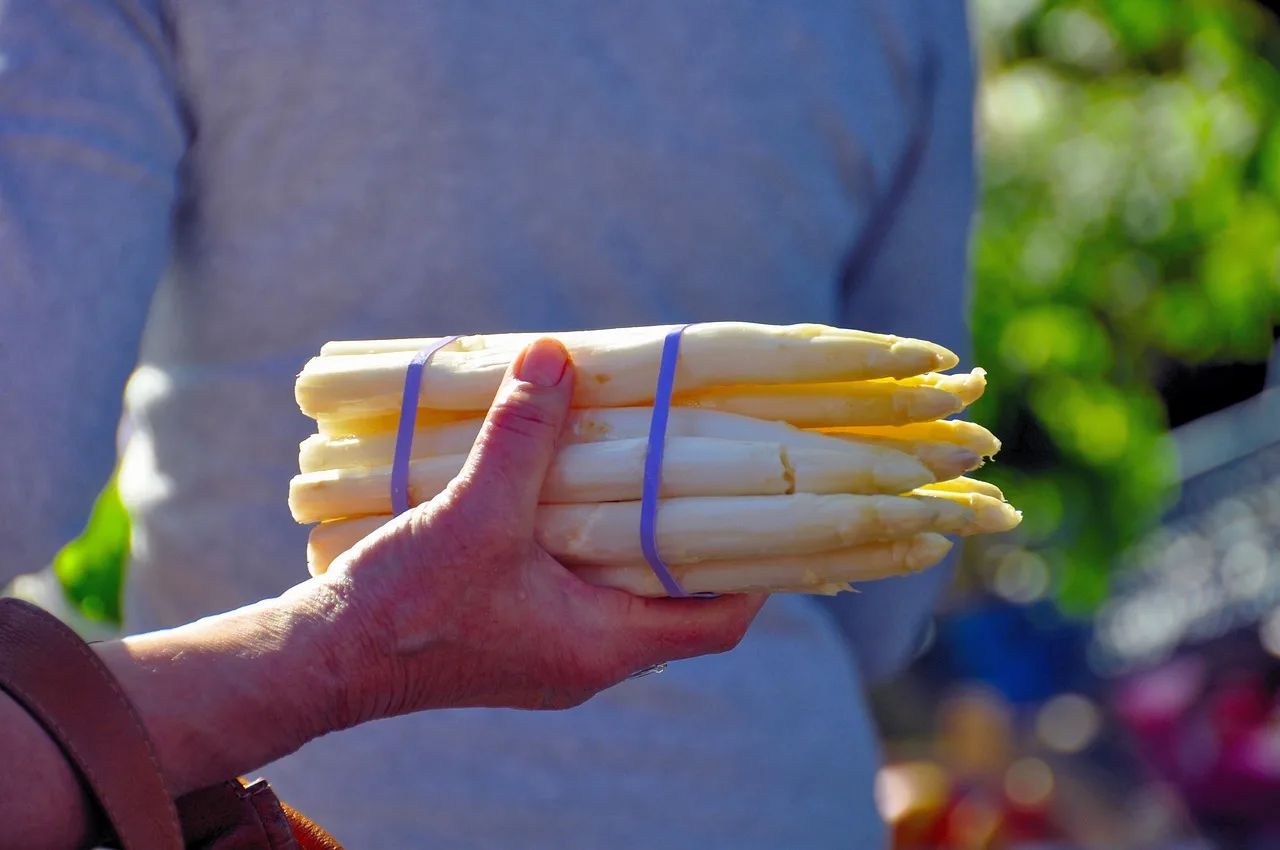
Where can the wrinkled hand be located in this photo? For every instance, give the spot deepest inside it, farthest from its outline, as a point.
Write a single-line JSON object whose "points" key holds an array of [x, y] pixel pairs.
{"points": [[457, 605]]}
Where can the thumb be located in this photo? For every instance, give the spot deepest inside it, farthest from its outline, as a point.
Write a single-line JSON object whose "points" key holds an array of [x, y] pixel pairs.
{"points": [[518, 440]]}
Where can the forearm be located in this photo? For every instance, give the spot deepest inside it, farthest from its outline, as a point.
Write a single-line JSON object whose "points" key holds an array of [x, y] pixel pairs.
{"points": [[230, 693], [219, 697]]}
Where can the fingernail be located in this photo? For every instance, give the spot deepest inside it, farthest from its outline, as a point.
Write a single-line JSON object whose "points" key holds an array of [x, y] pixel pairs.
{"points": [[544, 363]]}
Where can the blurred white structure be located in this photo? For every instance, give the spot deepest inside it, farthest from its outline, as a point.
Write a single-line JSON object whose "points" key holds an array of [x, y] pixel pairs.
{"points": [[1213, 566], [44, 589]]}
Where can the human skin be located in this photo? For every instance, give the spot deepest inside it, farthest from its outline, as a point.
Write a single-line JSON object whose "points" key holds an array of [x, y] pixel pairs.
{"points": [[452, 605]]}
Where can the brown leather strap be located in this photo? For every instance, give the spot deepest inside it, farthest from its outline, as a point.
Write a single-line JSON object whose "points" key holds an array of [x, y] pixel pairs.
{"points": [[235, 816], [63, 684], [239, 815]]}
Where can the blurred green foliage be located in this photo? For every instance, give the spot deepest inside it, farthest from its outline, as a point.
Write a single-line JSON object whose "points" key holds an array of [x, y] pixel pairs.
{"points": [[1130, 219], [91, 567]]}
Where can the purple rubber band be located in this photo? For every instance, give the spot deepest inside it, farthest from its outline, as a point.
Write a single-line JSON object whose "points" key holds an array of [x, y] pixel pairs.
{"points": [[408, 421], [653, 466]]}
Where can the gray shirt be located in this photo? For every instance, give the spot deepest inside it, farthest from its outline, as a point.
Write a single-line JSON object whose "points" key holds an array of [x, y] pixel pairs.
{"points": [[199, 194]]}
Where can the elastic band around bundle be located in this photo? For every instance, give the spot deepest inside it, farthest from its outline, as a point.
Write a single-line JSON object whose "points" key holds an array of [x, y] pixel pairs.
{"points": [[408, 421], [655, 450], [653, 466]]}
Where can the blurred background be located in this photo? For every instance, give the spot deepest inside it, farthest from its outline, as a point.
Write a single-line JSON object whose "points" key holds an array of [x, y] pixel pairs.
{"points": [[1109, 675]]}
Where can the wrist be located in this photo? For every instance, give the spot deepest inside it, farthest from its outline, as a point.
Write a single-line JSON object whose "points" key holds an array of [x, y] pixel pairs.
{"points": [[230, 693], [344, 659]]}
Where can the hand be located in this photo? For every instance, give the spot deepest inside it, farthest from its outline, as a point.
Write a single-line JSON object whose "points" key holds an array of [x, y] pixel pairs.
{"points": [[453, 604], [456, 604]]}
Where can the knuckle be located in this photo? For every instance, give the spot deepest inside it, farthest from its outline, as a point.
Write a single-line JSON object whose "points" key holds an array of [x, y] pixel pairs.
{"points": [[708, 639], [564, 700], [726, 636], [463, 521], [441, 533], [550, 699], [522, 413], [730, 638], [562, 697]]}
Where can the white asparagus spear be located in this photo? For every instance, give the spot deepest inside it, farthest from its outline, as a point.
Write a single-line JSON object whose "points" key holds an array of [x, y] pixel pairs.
{"points": [[830, 404], [967, 485], [319, 452], [944, 460], [490, 342], [819, 573], [811, 406], [618, 368], [592, 425], [971, 435], [614, 472], [716, 528], [328, 540], [507, 341], [968, 386], [990, 515], [705, 529], [389, 423], [824, 573]]}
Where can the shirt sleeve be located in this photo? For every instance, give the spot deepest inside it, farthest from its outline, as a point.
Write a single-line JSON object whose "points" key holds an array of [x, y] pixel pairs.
{"points": [[914, 282], [90, 141]]}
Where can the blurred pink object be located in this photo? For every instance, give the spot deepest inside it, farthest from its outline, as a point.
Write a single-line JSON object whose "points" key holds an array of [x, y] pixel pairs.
{"points": [[1215, 738]]}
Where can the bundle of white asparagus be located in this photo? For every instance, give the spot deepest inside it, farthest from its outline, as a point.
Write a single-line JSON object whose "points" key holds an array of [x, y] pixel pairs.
{"points": [[797, 458]]}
